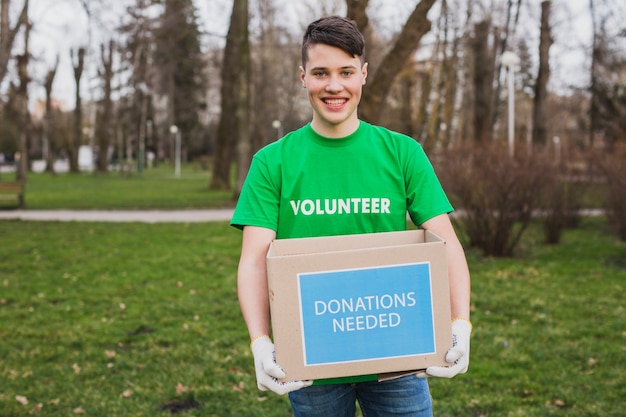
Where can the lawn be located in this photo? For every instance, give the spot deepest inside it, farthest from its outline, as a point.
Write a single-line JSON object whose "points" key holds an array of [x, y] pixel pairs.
{"points": [[102, 319], [156, 188]]}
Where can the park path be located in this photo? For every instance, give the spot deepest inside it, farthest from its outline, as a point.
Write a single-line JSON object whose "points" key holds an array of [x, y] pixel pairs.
{"points": [[152, 216], [143, 216]]}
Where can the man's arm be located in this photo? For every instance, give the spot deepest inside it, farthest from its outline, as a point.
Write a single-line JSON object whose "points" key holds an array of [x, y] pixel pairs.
{"points": [[458, 271], [459, 278], [255, 307], [252, 280]]}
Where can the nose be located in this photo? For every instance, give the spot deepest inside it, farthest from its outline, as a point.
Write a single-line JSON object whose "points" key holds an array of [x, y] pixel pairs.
{"points": [[334, 84]]}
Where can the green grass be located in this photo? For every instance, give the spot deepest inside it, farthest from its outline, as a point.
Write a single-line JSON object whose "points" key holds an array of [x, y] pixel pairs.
{"points": [[155, 188], [122, 319]]}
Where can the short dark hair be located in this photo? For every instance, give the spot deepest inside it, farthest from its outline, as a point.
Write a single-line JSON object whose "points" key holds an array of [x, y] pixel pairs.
{"points": [[336, 31]]}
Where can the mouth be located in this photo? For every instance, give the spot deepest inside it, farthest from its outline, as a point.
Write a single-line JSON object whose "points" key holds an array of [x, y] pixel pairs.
{"points": [[335, 103]]}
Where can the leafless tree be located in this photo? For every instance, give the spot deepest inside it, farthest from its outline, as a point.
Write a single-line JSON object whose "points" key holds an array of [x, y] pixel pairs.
{"points": [[105, 114], [379, 83], [540, 116], [234, 74], [8, 33], [75, 140], [48, 136], [24, 116]]}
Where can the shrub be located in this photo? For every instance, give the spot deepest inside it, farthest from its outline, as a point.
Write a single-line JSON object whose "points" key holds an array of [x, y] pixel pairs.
{"points": [[496, 193], [612, 166], [562, 204]]}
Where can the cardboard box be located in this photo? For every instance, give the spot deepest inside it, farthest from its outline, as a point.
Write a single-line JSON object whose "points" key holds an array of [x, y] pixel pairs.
{"points": [[359, 304]]}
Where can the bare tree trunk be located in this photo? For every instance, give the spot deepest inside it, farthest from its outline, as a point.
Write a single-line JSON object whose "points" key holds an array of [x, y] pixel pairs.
{"points": [[407, 88], [244, 144], [379, 83], [540, 132], [509, 32], [422, 110], [22, 69], [74, 141], [449, 95], [483, 83], [8, 34], [440, 50], [105, 119], [48, 138], [228, 129], [593, 110]]}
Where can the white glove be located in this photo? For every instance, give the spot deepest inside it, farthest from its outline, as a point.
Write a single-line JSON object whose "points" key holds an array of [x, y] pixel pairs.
{"points": [[267, 370], [458, 354]]}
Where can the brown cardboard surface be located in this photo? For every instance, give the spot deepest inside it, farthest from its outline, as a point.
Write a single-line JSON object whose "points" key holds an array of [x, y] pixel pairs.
{"points": [[289, 257]]}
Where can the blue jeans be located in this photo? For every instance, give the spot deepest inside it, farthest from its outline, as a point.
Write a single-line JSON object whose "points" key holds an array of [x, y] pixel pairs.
{"points": [[407, 396]]}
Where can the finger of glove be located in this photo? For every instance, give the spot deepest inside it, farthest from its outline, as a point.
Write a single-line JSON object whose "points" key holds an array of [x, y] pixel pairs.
{"points": [[271, 368], [454, 354], [282, 388], [443, 371]]}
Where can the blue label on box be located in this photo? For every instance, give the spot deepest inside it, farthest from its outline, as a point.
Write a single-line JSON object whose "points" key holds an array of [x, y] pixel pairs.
{"points": [[364, 314]]}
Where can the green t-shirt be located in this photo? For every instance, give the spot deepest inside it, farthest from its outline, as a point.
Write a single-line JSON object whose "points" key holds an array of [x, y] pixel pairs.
{"points": [[306, 185]]}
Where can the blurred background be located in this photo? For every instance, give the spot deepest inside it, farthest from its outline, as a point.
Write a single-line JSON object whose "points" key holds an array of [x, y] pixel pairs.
{"points": [[95, 85]]}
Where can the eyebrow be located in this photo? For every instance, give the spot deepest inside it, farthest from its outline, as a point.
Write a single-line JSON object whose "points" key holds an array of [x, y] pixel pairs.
{"points": [[342, 68]]}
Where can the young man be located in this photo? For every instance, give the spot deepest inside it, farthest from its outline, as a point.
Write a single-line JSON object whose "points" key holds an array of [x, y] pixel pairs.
{"points": [[382, 174]]}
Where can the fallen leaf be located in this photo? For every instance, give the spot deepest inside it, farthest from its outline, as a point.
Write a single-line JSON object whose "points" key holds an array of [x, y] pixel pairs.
{"points": [[122, 306], [239, 387], [21, 399], [110, 353], [592, 361], [559, 403], [181, 389], [79, 410], [56, 401], [127, 393], [179, 284], [36, 408], [76, 368]]}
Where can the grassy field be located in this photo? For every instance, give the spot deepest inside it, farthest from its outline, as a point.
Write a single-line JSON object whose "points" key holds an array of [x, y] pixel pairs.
{"points": [[105, 319], [155, 188], [140, 320]]}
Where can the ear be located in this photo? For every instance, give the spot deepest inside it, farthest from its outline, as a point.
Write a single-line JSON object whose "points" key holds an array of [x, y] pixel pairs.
{"points": [[302, 76], [364, 72]]}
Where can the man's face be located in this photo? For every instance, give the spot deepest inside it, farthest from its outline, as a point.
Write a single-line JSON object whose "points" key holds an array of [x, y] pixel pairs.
{"points": [[334, 81]]}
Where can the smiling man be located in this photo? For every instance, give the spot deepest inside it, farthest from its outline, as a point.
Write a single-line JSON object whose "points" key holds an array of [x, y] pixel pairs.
{"points": [[336, 176]]}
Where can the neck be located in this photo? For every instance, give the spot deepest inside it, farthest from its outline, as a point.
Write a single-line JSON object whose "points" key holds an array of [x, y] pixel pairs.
{"points": [[335, 131]]}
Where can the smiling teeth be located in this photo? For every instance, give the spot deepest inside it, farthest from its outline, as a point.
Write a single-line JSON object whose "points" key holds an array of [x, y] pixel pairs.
{"points": [[334, 102]]}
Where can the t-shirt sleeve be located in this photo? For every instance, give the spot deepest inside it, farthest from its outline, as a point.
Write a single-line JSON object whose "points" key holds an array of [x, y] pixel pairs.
{"points": [[425, 195], [258, 203]]}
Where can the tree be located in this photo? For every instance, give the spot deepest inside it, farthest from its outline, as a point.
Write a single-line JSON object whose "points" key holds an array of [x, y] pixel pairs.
{"points": [[180, 63], [483, 70], [48, 137], [243, 99], [24, 116], [233, 73], [607, 111], [540, 132], [138, 52], [379, 83], [75, 140], [8, 33], [105, 114]]}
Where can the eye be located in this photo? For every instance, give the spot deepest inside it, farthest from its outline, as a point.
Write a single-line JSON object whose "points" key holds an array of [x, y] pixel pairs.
{"points": [[347, 73], [319, 74]]}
